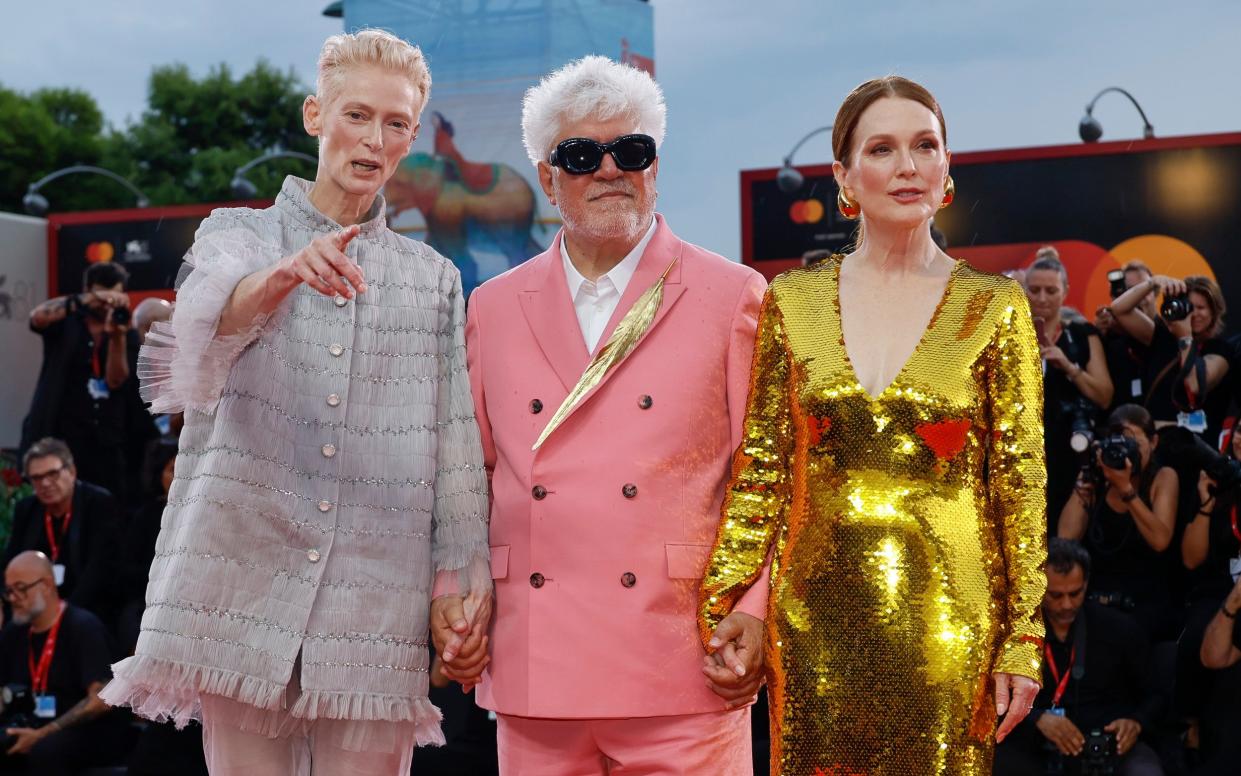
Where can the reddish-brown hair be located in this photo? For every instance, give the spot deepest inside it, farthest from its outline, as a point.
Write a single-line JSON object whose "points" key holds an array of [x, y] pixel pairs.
{"points": [[864, 96]]}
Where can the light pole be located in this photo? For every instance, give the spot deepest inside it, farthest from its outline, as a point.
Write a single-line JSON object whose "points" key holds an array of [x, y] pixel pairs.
{"points": [[244, 189], [789, 180], [37, 205], [1089, 128]]}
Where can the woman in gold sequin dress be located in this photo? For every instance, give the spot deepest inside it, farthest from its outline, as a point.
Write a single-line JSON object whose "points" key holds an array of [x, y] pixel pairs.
{"points": [[892, 469]]}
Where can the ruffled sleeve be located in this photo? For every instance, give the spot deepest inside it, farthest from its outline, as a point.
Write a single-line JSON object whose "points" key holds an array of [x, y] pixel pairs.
{"points": [[183, 364], [459, 547], [1017, 479]]}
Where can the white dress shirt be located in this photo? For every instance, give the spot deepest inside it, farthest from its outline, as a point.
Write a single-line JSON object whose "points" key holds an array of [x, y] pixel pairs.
{"points": [[596, 301]]}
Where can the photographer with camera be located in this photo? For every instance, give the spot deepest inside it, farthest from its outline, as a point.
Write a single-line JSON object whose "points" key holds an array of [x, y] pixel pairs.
{"points": [[1187, 359], [1096, 701], [1076, 384], [1208, 678], [1124, 511], [87, 385], [1127, 357], [53, 663]]}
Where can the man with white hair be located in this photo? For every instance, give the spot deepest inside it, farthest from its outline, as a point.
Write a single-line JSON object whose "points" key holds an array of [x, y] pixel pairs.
{"points": [[329, 499], [610, 376]]}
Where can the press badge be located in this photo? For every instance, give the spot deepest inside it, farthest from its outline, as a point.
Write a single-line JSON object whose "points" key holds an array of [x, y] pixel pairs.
{"points": [[45, 706], [1059, 712], [58, 572], [1195, 421], [1234, 568], [97, 387], [1135, 387]]}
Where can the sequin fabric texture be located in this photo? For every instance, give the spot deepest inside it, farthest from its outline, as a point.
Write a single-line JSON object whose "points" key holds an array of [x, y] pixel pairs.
{"points": [[909, 530]]}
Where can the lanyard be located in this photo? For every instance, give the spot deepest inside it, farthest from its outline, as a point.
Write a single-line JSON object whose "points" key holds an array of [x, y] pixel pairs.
{"points": [[96, 369], [53, 543], [1062, 682], [39, 674]]}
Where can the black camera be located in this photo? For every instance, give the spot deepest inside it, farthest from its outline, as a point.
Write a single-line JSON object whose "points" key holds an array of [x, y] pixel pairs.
{"points": [[1179, 444], [1116, 282], [1176, 308], [121, 316], [1115, 449], [18, 712], [1099, 757], [1081, 423]]}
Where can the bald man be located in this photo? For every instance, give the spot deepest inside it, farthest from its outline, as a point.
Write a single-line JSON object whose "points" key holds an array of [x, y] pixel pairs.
{"points": [[69, 728], [150, 311]]}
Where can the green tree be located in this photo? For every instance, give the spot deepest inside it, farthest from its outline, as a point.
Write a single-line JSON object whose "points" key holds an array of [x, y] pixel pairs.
{"points": [[183, 149]]}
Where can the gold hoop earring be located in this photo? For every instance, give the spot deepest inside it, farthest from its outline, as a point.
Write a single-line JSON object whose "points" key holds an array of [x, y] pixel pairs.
{"points": [[848, 208], [950, 193]]}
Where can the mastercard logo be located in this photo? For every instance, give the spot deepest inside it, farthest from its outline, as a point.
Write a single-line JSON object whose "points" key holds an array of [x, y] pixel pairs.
{"points": [[98, 252], [806, 211]]}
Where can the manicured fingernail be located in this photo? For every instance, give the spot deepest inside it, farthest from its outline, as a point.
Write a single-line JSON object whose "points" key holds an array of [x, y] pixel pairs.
{"points": [[739, 670], [714, 642], [362, 288]]}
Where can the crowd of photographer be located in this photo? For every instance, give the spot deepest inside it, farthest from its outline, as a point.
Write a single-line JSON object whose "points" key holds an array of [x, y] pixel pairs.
{"points": [[1141, 673]]}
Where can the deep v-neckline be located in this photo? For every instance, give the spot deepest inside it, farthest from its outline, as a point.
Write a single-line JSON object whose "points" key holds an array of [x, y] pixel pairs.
{"points": [[926, 332]]}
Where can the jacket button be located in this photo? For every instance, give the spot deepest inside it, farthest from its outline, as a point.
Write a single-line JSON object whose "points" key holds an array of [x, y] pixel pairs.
{"points": [[336, 349], [628, 579], [645, 401], [333, 400], [325, 506], [341, 301], [536, 406], [630, 490], [539, 492], [329, 450], [313, 556], [536, 580]]}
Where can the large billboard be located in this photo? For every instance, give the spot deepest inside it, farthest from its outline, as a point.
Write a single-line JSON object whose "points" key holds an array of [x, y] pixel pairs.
{"points": [[468, 188], [1171, 202]]}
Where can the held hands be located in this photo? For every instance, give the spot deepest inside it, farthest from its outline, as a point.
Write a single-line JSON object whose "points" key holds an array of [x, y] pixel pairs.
{"points": [[1169, 286], [1127, 732], [459, 631], [1121, 479], [1014, 695], [734, 670], [1063, 733], [323, 265], [110, 301]]}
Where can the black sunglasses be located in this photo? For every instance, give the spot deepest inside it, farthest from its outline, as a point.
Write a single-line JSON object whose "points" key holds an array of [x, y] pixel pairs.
{"points": [[581, 155]]}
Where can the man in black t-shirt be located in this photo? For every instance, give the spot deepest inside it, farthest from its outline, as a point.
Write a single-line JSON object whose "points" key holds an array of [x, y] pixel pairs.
{"points": [[1095, 678], [87, 392], [69, 727]]}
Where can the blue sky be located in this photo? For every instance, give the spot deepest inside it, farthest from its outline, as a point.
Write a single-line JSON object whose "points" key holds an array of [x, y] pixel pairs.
{"points": [[743, 80]]}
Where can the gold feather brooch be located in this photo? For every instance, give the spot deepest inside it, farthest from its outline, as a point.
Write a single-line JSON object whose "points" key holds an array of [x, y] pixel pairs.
{"points": [[622, 342]]}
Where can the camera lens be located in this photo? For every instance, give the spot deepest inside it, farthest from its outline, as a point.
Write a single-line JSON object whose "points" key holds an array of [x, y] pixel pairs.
{"points": [[120, 316]]}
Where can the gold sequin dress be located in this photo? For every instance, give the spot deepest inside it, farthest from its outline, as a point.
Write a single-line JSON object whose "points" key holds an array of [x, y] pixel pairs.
{"points": [[908, 530]]}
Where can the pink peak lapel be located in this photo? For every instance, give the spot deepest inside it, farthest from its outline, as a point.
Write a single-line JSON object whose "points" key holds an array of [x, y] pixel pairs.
{"points": [[549, 312]]}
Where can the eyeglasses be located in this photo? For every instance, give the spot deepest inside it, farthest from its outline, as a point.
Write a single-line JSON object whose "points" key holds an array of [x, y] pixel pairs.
{"points": [[581, 155], [35, 479], [21, 589]]}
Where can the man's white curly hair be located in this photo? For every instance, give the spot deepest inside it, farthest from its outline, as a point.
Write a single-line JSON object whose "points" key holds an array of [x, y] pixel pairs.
{"points": [[590, 87], [365, 47]]}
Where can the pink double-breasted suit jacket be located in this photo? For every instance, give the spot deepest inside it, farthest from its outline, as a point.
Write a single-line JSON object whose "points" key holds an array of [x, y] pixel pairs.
{"points": [[599, 538]]}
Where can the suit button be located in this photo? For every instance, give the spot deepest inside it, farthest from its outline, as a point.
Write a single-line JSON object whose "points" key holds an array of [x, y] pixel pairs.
{"points": [[313, 556], [333, 400], [536, 406], [645, 401], [336, 349], [325, 506], [536, 580], [539, 492], [340, 301], [630, 490], [628, 579], [329, 450]]}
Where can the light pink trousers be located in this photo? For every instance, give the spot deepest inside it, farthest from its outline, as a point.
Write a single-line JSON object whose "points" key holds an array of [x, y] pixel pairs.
{"points": [[324, 747], [711, 744]]}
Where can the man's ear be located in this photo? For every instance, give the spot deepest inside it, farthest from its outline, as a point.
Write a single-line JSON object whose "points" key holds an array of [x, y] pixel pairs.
{"points": [[312, 115], [545, 180]]}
